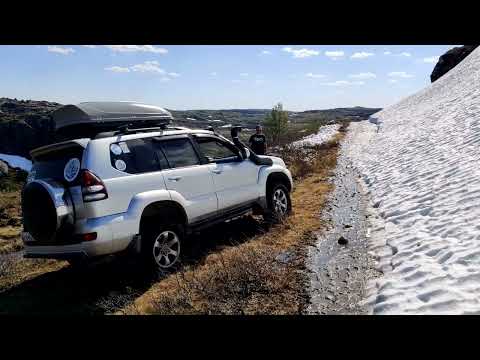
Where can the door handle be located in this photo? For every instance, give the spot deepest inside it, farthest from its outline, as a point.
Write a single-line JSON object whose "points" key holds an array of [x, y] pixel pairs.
{"points": [[217, 171], [174, 178]]}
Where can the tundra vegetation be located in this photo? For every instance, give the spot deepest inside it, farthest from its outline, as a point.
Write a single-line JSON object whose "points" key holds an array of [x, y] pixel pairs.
{"points": [[10, 213]]}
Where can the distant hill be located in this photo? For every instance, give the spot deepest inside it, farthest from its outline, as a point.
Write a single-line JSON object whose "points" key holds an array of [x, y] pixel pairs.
{"points": [[251, 117], [26, 124]]}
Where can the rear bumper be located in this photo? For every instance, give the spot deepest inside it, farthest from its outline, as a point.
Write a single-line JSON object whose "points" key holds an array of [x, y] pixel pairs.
{"points": [[114, 234]]}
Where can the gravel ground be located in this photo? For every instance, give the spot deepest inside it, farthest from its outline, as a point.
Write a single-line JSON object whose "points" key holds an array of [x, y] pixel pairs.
{"points": [[340, 265]]}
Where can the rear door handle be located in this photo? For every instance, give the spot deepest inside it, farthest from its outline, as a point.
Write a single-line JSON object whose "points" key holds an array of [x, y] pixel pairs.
{"points": [[175, 178], [217, 171]]}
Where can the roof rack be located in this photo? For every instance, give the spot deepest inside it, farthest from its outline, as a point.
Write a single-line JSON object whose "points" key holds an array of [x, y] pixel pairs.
{"points": [[125, 130]]}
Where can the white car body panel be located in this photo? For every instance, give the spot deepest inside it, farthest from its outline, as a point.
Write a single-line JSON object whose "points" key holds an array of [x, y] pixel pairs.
{"points": [[193, 188], [235, 183]]}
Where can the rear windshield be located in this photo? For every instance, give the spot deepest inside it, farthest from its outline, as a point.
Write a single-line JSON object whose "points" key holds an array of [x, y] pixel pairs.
{"points": [[52, 164]]}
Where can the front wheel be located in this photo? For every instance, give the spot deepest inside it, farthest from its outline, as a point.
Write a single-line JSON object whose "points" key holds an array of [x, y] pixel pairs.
{"points": [[278, 203]]}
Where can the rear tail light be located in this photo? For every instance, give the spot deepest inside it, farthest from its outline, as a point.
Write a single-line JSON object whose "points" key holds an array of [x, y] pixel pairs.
{"points": [[93, 189], [87, 237]]}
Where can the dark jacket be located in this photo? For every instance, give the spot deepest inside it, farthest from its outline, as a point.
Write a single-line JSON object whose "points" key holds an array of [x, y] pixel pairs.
{"points": [[258, 144]]}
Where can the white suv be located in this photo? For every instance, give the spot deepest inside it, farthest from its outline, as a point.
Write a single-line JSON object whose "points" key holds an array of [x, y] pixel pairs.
{"points": [[140, 189]]}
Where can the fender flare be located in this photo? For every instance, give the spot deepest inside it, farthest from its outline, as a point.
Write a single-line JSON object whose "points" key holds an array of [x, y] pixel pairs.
{"points": [[266, 172], [142, 200]]}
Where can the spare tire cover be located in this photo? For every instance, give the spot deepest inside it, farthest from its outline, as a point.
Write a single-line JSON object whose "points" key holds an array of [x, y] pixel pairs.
{"points": [[47, 211]]}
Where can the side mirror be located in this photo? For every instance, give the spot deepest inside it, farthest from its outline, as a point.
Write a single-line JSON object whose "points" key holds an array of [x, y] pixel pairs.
{"points": [[247, 154]]}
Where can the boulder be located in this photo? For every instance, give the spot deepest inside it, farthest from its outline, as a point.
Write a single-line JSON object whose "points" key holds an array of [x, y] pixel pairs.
{"points": [[450, 59]]}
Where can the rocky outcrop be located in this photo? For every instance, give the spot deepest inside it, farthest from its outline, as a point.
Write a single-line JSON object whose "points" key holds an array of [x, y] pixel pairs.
{"points": [[25, 125], [450, 59], [3, 169]]}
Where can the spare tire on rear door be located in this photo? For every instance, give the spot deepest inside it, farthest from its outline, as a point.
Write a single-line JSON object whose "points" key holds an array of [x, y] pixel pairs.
{"points": [[48, 214]]}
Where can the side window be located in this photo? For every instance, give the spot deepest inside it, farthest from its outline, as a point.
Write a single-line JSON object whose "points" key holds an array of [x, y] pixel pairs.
{"points": [[180, 153], [135, 156], [214, 149]]}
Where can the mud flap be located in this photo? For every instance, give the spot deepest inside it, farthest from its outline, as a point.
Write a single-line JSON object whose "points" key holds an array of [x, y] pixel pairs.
{"points": [[136, 244]]}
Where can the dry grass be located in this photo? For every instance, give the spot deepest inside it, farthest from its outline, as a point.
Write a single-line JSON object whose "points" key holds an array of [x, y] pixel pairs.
{"points": [[10, 222], [252, 277], [14, 271], [10, 211]]}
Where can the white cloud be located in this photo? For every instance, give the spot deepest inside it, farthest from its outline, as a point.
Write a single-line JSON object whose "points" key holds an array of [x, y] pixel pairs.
{"points": [[334, 54], [361, 55], [137, 48], [393, 81], [90, 46], [266, 52], [244, 74], [145, 67], [367, 75], [213, 74], [344, 83], [148, 66], [60, 50], [431, 59], [236, 81], [400, 74], [316, 76], [301, 53], [118, 69], [404, 54]]}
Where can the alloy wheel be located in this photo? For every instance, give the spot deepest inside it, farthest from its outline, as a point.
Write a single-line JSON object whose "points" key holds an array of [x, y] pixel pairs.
{"points": [[166, 249]]}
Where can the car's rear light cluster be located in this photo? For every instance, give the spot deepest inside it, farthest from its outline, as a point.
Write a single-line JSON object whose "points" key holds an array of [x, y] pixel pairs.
{"points": [[87, 237], [93, 189]]}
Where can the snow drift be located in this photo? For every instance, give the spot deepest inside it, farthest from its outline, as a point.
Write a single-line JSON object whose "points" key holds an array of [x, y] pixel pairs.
{"points": [[420, 160], [324, 134], [16, 161]]}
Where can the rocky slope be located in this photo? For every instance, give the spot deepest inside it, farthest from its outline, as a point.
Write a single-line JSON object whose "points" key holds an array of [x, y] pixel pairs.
{"points": [[24, 125], [450, 59]]}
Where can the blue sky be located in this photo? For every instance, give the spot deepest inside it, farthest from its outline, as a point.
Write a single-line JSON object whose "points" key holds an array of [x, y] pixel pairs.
{"points": [[219, 77]]}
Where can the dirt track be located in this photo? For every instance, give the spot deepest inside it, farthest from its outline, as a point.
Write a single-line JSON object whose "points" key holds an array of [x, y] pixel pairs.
{"points": [[339, 272]]}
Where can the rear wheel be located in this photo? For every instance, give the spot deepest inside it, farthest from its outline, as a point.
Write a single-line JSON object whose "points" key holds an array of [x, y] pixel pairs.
{"points": [[161, 247], [278, 203]]}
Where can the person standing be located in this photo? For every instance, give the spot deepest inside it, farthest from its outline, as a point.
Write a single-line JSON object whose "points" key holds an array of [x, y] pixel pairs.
{"points": [[258, 142]]}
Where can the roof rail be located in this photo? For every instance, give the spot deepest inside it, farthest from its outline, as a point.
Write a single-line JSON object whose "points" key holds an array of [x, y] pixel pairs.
{"points": [[124, 130]]}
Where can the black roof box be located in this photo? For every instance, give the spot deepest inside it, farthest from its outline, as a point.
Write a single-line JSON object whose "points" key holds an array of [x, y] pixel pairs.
{"points": [[89, 118]]}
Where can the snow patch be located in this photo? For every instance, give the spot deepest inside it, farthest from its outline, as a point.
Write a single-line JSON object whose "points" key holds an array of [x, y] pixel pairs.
{"points": [[420, 164], [16, 161], [324, 134]]}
